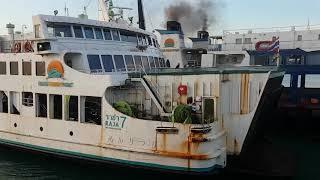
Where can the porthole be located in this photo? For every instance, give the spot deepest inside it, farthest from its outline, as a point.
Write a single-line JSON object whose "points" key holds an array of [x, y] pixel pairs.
{"points": [[41, 129], [15, 125], [71, 133]]}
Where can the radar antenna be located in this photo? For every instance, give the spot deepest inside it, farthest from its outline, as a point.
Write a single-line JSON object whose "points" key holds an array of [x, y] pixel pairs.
{"points": [[107, 11]]}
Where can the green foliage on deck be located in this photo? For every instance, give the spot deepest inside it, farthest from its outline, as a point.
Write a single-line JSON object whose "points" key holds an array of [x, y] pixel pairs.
{"points": [[182, 114], [124, 108]]}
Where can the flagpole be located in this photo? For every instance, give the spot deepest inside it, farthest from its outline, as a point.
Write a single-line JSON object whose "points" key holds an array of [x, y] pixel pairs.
{"points": [[278, 54]]}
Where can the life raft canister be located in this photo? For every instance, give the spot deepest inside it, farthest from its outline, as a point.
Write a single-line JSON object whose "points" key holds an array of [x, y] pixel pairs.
{"points": [[28, 47], [17, 48]]}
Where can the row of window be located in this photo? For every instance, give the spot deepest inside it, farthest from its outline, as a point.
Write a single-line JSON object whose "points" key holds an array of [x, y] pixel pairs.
{"points": [[53, 106], [310, 81], [88, 32], [120, 63], [40, 69]]}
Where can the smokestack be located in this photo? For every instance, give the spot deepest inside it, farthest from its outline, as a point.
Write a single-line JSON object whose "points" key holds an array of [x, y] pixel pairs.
{"points": [[193, 15], [203, 35], [142, 23], [174, 26]]}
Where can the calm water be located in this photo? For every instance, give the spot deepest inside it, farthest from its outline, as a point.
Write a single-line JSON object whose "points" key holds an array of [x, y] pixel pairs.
{"points": [[25, 165]]}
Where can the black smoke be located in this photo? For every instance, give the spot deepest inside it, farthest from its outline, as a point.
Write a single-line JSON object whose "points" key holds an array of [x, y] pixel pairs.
{"points": [[195, 16]]}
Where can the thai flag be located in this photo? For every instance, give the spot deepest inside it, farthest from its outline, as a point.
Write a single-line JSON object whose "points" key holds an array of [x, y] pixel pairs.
{"points": [[275, 46]]}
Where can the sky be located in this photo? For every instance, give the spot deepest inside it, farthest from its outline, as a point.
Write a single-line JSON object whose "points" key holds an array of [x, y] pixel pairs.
{"points": [[232, 14]]}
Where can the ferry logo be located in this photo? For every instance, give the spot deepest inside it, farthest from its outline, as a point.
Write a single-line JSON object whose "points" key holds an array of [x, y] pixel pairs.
{"points": [[115, 122], [169, 43], [55, 76], [55, 70]]}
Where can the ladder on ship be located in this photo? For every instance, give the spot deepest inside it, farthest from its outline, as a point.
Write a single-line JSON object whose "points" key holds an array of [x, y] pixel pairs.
{"points": [[153, 92]]}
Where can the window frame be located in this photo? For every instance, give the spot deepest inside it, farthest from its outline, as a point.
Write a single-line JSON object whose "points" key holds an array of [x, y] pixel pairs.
{"points": [[86, 29], [104, 66], [3, 68], [129, 68], [124, 69], [95, 29], [25, 66], [17, 68], [37, 68], [94, 70], [75, 34], [110, 34], [26, 101]]}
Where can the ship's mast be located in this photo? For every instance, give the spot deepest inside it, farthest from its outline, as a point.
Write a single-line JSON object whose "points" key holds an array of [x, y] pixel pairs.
{"points": [[104, 8]]}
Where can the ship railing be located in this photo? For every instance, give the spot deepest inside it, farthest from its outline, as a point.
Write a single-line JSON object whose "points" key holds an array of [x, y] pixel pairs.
{"points": [[272, 29]]}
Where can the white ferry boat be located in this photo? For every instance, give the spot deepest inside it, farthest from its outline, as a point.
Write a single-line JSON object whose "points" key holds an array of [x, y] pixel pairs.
{"points": [[98, 91]]}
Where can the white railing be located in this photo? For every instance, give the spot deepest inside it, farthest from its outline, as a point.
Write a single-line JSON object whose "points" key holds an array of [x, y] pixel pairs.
{"points": [[272, 29]]}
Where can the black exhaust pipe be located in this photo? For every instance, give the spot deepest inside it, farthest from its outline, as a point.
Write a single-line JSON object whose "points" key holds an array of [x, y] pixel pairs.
{"points": [[142, 23]]}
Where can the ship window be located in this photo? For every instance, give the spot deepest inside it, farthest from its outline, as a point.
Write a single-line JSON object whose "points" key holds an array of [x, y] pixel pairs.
{"points": [[107, 34], [107, 63], [299, 37], [152, 62], [71, 108], [162, 63], [119, 61], [145, 41], [319, 37], [40, 68], [15, 103], [208, 110], [115, 35], [312, 81], [3, 102], [3, 68], [88, 31], [41, 105], [98, 32], [247, 41], [37, 31], [78, 31], [55, 104], [26, 68], [154, 43], [137, 60], [92, 110], [238, 41], [128, 36], [150, 41], [140, 39], [27, 99], [145, 63], [14, 68], [60, 30], [130, 63], [157, 62], [94, 63]]}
